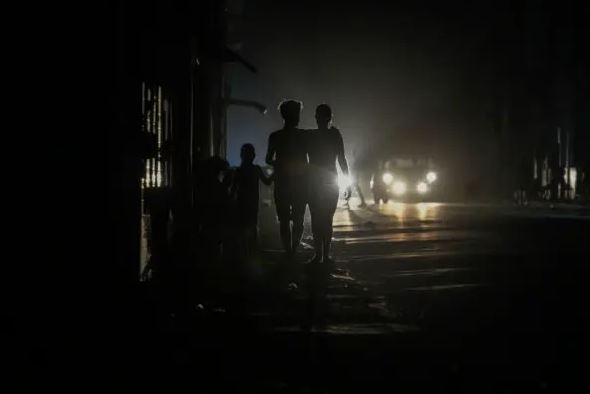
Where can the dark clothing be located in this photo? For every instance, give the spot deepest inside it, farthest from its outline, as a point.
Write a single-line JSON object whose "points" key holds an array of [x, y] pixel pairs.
{"points": [[324, 147], [290, 198], [287, 152], [213, 204], [246, 185], [324, 201], [290, 150]]}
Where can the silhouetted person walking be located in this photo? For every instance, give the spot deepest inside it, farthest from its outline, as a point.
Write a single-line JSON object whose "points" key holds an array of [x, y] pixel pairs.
{"points": [[325, 148], [557, 184], [287, 153], [246, 191], [355, 181]]}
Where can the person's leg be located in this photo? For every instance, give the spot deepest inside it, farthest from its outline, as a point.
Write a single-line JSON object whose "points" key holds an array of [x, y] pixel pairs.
{"points": [[285, 231], [283, 214], [255, 239], [248, 223], [360, 194], [327, 237], [329, 210], [297, 233], [298, 199], [316, 227]]}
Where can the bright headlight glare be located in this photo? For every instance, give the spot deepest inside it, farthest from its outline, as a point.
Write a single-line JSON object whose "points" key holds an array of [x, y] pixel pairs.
{"points": [[422, 187], [344, 181], [387, 178], [399, 188], [431, 176]]}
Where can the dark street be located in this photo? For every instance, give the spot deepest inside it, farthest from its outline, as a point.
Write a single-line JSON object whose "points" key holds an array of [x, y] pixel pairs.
{"points": [[427, 296], [340, 197]]}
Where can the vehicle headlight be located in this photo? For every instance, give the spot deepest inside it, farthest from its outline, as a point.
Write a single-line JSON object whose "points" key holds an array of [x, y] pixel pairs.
{"points": [[387, 178], [431, 176], [399, 188], [422, 187]]}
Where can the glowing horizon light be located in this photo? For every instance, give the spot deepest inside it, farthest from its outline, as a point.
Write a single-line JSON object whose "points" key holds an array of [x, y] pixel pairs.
{"points": [[431, 176], [399, 188], [387, 178], [422, 187]]}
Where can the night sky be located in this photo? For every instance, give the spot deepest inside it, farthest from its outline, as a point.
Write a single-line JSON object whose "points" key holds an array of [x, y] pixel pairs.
{"points": [[404, 76]]}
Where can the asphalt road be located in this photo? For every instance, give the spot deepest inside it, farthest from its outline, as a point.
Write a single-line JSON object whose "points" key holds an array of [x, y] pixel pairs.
{"points": [[463, 297], [439, 298]]}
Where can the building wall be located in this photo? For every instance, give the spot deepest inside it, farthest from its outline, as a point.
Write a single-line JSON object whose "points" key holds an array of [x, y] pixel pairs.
{"points": [[539, 115], [177, 47]]}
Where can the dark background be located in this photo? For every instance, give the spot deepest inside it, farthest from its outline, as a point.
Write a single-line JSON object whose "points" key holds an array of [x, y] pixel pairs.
{"points": [[420, 77], [406, 75]]}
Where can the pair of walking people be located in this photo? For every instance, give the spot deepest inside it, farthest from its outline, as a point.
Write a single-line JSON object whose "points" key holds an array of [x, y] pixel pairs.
{"points": [[305, 172]]}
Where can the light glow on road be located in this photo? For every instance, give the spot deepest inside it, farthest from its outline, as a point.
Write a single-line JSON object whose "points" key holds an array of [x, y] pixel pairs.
{"points": [[399, 210], [427, 210]]}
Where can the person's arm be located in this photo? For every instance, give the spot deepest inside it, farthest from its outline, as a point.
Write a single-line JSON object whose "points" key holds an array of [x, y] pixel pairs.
{"points": [[267, 180], [271, 151], [229, 182], [342, 162], [341, 156]]}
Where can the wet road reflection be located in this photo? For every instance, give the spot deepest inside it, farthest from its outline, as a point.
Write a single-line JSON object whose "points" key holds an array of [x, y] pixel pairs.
{"points": [[432, 274], [398, 248], [374, 241]]}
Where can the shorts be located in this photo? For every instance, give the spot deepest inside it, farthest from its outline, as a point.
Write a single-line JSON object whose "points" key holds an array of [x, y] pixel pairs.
{"points": [[290, 199], [323, 199]]}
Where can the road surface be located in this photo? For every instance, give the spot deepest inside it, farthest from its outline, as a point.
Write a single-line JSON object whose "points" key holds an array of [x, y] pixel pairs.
{"points": [[441, 298], [458, 297]]}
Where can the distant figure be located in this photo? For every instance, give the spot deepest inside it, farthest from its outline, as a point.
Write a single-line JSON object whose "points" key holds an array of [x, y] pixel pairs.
{"points": [[378, 186], [557, 184], [287, 153], [524, 181], [245, 189], [325, 148], [355, 183]]}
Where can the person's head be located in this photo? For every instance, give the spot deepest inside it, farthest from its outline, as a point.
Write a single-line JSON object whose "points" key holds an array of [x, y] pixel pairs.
{"points": [[247, 153], [323, 115], [290, 111]]}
